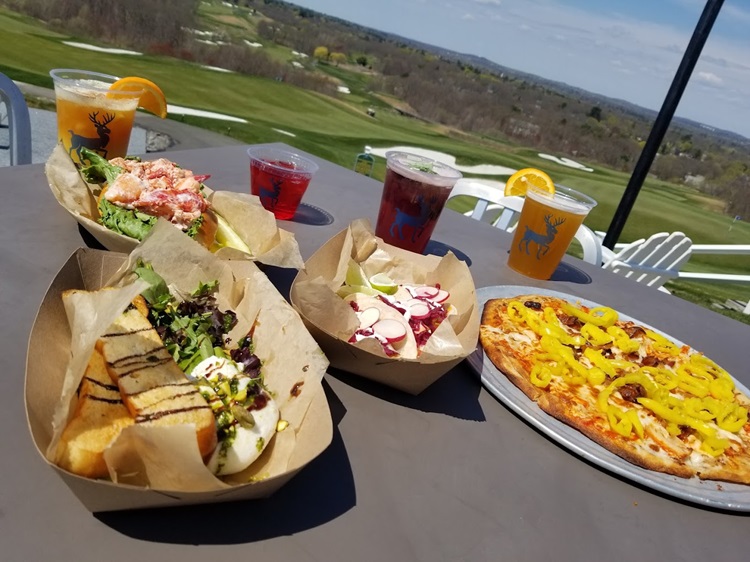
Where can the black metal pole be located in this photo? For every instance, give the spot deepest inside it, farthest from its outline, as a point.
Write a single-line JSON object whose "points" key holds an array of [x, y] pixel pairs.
{"points": [[661, 124]]}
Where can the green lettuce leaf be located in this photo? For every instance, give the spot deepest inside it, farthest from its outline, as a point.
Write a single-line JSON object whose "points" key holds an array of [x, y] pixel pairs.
{"points": [[125, 221], [99, 169]]}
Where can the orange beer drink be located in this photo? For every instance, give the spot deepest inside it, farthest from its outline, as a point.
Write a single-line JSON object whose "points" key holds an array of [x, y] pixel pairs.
{"points": [[90, 115], [547, 225]]}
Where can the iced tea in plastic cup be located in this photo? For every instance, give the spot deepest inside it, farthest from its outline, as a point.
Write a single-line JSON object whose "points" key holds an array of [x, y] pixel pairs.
{"points": [[414, 194], [90, 115], [279, 178], [545, 229]]}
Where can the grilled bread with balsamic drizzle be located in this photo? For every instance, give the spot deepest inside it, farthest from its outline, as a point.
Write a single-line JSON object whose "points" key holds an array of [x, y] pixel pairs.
{"points": [[99, 417], [153, 388], [130, 378]]}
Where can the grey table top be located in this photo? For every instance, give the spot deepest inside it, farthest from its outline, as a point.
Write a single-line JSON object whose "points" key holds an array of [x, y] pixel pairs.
{"points": [[448, 475]]}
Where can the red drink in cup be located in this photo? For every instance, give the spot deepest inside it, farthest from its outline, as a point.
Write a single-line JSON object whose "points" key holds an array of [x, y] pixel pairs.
{"points": [[279, 178], [414, 194]]}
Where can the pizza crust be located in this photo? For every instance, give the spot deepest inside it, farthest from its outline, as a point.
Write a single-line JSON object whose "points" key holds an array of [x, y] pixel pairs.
{"points": [[509, 352]]}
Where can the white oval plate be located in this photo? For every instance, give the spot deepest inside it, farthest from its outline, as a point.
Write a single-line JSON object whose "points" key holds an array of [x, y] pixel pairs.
{"points": [[713, 493]]}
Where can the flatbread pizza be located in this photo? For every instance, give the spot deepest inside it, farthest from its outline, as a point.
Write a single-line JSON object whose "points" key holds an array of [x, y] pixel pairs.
{"points": [[660, 405]]}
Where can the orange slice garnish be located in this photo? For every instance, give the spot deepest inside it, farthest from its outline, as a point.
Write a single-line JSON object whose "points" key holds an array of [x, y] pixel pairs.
{"points": [[152, 98], [519, 182]]}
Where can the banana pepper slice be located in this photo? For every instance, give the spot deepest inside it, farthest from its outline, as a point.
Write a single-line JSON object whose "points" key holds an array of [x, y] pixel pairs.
{"points": [[599, 316]]}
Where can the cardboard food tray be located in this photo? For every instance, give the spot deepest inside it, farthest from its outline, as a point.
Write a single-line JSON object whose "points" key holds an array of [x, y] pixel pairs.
{"points": [[313, 295], [45, 373], [255, 225]]}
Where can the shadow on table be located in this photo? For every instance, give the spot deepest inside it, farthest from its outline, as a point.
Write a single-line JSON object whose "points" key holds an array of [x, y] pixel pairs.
{"points": [[320, 492], [439, 249], [571, 274], [312, 215], [454, 394], [89, 240]]}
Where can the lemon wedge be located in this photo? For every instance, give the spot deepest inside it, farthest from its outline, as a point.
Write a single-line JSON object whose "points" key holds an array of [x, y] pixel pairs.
{"points": [[226, 237], [383, 283], [518, 183], [152, 98]]}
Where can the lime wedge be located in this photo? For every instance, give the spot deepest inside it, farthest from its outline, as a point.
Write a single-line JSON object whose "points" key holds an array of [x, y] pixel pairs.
{"points": [[346, 290], [355, 276], [227, 237], [383, 283]]}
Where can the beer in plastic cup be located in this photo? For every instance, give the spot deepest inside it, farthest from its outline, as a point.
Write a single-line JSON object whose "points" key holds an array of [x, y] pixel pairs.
{"points": [[414, 194], [279, 178], [545, 229], [90, 115]]}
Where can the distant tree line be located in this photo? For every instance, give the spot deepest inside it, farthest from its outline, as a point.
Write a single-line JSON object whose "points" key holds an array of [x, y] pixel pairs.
{"points": [[434, 88], [161, 27], [504, 107]]}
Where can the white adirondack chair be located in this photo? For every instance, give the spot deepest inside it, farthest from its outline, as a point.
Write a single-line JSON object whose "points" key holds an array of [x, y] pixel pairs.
{"points": [[651, 261], [490, 199]]}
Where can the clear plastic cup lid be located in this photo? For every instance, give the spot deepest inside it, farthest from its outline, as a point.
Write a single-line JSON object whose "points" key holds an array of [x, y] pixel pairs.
{"points": [[423, 169]]}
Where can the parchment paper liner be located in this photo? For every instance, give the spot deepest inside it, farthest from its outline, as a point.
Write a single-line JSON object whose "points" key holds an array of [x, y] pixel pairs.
{"points": [[331, 321], [161, 466], [254, 224]]}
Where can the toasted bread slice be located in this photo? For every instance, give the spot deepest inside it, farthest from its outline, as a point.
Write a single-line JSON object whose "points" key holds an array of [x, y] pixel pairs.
{"points": [[153, 388], [98, 419]]}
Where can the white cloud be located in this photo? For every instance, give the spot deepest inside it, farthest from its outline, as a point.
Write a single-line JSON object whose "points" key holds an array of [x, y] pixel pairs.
{"points": [[709, 78], [492, 2], [468, 17]]}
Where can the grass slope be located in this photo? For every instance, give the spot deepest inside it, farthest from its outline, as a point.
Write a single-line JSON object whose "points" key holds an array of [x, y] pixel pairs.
{"points": [[338, 128]]}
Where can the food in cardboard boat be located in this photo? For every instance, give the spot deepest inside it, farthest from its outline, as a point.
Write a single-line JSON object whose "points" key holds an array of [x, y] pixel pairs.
{"points": [[135, 193], [401, 317], [165, 361]]}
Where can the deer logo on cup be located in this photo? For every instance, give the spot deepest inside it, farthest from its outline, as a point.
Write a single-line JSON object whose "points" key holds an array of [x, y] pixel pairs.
{"points": [[97, 144], [416, 222], [272, 194], [542, 240]]}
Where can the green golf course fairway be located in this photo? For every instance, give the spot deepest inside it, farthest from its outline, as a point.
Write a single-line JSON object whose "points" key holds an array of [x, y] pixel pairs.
{"points": [[337, 129]]}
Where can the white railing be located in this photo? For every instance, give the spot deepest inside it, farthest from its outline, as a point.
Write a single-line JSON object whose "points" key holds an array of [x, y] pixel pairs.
{"points": [[723, 249], [717, 249]]}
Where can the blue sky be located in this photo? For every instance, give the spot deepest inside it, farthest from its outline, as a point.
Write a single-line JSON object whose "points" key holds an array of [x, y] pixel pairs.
{"points": [[627, 49]]}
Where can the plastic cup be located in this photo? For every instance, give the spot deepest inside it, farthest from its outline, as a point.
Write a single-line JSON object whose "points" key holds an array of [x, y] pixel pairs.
{"points": [[279, 178], [90, 115], [414, 194], [545, 229]]}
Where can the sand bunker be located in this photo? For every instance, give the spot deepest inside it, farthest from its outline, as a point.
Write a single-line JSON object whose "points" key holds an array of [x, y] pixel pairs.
{"points": [[216, 68], [100, 49], [179, 110], [567, 162], [482, 169]]}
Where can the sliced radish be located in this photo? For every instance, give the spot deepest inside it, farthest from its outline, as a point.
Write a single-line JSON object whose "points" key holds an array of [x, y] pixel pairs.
{"points": [[412, 302], [441, 296], [427, 292], [368, 317], [391, 330], [419, 311]]}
